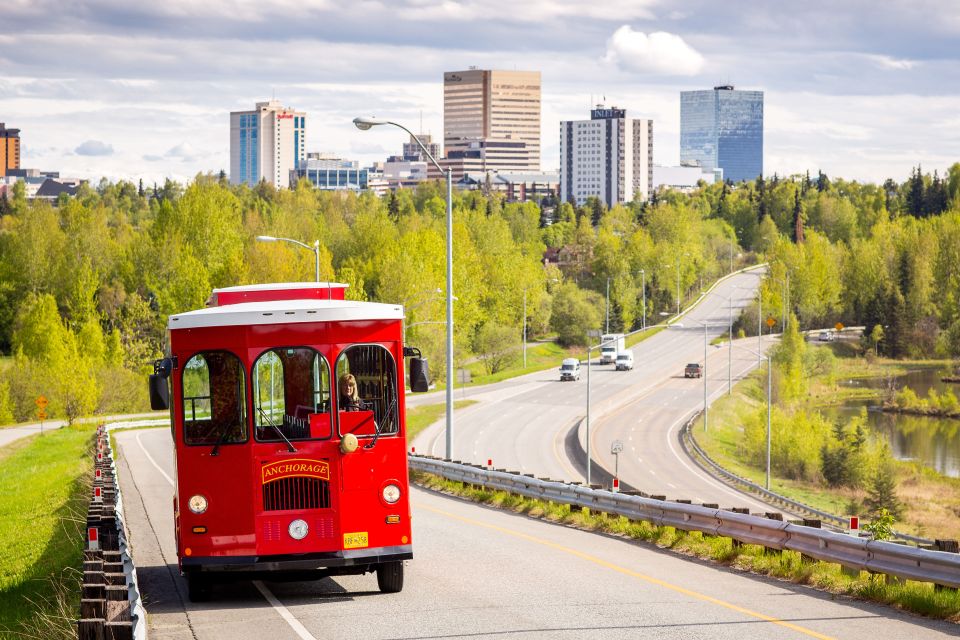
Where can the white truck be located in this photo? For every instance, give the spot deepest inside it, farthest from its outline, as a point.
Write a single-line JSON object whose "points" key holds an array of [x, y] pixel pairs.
{"points": [[612, 345]]}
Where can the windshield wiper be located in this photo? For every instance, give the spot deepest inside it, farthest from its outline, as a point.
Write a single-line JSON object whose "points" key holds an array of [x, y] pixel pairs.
{"points": [[379, 429], [221, 440], [290, 446]]}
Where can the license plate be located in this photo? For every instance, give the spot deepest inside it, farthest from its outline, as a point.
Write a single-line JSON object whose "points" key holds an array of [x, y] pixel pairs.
{"points": [[355, 540]]}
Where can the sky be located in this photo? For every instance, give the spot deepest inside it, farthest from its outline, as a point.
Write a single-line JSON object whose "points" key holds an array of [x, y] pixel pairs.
{"points": [[126, 89]]}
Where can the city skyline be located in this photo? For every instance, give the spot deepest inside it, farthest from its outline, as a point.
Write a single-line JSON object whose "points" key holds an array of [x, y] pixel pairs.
{"points": [[101, 88]]}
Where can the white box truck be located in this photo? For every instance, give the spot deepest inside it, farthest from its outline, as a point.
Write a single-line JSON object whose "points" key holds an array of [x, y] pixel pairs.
{"points": [[612, 345]]}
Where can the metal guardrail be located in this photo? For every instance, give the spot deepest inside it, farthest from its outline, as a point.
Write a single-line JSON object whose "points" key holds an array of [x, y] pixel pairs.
{"points": [[910, 563], [110, 605], [705, 462]]}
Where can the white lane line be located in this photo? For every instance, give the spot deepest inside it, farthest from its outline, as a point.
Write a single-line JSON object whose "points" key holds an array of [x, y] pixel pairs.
{"points": [[152, 461], [298, 628]]}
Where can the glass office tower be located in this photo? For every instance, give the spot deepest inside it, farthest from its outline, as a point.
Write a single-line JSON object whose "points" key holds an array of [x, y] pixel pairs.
{"points": [[723, 128]]}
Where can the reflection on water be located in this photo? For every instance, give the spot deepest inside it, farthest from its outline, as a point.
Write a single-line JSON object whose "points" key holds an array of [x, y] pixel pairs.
{"points": [[933, 441]]}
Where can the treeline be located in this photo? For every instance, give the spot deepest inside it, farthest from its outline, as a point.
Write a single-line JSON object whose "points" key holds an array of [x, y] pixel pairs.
{"points": [[108, 266], [86, 284]]}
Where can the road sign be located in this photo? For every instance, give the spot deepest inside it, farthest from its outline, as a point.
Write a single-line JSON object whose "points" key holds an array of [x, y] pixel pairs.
{"points": [[771, 321], [616, 447], [41, 414], [42, 402], [854, 528], [838, 326]]}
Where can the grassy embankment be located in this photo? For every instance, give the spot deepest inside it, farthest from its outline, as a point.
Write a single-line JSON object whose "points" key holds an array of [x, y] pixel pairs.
{"points": [[931, 501], [44, 488], [916, 597]]}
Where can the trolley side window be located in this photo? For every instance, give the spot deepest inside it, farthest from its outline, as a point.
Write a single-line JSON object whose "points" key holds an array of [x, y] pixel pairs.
{"points": [[367, 391], [214, 399], [291, 395]]}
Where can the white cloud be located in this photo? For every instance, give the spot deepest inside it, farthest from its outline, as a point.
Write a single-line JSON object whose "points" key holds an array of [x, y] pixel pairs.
{"points": [[94, 148], [892, 64], [659, 53]]}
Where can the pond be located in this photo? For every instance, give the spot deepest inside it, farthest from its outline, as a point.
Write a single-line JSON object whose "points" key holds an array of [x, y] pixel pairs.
{"points": [[933, 441]]}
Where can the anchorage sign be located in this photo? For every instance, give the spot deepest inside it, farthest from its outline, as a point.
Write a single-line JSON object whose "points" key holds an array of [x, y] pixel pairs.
{"points": [[297, 467]]}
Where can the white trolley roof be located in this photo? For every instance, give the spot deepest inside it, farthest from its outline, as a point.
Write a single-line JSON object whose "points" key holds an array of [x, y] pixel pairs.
{"points": [[285, 312]]}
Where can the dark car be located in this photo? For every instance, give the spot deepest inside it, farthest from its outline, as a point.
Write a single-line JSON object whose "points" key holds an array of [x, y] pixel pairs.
{"points": [[693, 370]]}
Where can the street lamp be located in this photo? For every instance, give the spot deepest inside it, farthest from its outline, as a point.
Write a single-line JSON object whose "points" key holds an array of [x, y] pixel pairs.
{"points": [[675, 325], [315, 248], [643, 286], [364, 124], [608, 307], [761, 356]]}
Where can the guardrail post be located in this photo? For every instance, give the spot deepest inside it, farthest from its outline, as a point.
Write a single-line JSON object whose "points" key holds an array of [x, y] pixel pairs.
{"points": [[736, 543], [773, 515], [948, 546], [816, 524]]}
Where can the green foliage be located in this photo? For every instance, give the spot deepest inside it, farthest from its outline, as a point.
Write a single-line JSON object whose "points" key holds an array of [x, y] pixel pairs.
{"points": [[881, 494], [496, 347], [574, 313], [881, 526]]}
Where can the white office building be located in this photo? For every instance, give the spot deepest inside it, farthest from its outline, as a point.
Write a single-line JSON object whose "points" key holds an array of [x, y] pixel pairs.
{"points": [[609, 156], [266, 144]]}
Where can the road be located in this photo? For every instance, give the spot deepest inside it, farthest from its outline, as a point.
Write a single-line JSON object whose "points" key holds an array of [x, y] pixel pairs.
{"points": [[483, 572], [521, 425]]}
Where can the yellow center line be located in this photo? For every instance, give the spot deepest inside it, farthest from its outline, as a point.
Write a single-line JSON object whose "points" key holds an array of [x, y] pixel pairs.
{"points": [[631, 573]]}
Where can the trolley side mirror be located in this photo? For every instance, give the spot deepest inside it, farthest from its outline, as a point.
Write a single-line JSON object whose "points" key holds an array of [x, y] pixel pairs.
{"points": [[159, 389], [419, 370]]}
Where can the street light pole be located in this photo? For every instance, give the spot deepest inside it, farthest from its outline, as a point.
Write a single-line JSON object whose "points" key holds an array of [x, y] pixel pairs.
{"points": [[363, 124], [524, 328], [315, 248], [769, 378], [608, 307], [643, 286], [678, 286], [704, 376], [730, 345]]}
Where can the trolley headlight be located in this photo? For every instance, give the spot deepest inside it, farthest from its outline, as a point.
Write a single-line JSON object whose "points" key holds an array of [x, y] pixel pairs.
{"points": [[298, 529], [391, 493], [197, 504]]}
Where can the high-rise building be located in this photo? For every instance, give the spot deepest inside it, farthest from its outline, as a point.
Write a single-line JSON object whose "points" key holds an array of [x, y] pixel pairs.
{"points": [[9, 149], [609, 156], [723, 128], [266, 144], [493, 115], [413, 152]]}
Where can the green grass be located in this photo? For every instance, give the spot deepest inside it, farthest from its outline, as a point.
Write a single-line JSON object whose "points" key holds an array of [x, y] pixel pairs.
{"points": [[917, 597], [44, 488], [419, 418]]}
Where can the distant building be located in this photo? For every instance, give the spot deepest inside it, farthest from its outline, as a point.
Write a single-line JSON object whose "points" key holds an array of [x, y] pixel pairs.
{"points": [[608, 156], [723, 128], [493, 114], [9, 149], [330, 173], [516, 187], [684, 178], [402, 172], [412, 150], [266, 144]]}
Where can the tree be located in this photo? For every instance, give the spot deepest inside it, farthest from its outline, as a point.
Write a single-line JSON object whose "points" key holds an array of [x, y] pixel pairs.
{"points": [[495, 346], [882, 494], [797, 219], [575, 312]]}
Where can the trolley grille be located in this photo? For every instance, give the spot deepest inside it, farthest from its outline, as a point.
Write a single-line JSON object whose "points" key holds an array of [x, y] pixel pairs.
{"points": [[296, 493]]}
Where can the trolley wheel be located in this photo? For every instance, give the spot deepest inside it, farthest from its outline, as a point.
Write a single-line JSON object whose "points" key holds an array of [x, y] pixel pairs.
{"points": [[390, 577], [199, 587]]}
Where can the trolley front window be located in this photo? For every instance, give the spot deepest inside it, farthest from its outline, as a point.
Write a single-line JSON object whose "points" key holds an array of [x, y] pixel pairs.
{"points": [[367, 391], [291, 395], [214, 399]]}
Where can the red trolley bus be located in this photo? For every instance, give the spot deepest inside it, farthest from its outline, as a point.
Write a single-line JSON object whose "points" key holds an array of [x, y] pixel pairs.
{"points": [[288, 421]]}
